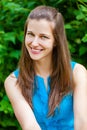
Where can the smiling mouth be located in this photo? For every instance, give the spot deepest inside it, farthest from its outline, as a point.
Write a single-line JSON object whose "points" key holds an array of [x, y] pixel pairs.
{"points": [[36, 51]]}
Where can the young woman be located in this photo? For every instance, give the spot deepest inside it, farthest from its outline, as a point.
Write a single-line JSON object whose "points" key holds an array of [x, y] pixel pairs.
{"points": [[48, 91]]}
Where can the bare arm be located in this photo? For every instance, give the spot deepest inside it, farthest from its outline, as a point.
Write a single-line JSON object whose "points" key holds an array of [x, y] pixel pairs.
{"points": [[22, 110], [80, 97]]}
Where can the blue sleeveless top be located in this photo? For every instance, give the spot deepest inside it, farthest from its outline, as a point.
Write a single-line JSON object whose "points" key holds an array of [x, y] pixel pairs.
{"points": [[63, 117]]}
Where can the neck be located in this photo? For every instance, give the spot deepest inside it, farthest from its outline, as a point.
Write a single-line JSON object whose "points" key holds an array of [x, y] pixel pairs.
{"points": [[43, 69]]}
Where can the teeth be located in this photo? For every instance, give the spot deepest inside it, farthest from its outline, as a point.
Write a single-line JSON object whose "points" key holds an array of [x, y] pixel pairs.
{"points": [[35, 50]]}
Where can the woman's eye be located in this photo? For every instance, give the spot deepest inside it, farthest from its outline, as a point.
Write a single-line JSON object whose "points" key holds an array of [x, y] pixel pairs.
{"points": [[30, 34], [44, 37]]}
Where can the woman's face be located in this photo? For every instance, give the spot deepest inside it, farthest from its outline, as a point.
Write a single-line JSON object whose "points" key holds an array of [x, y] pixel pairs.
{"points": [[39, 39]]}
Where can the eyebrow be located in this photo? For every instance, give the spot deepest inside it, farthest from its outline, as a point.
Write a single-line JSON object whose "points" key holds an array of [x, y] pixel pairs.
{"points": [[44, 34], [30, 31]]}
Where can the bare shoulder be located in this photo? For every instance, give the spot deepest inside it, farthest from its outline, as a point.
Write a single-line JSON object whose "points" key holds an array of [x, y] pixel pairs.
{"points": [[10, 83], [10, 80], [12, 89], [80, 74], [80, 97], [80, 68]]}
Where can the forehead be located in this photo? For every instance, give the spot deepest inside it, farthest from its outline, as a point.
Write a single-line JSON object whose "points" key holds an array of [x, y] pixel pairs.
{"points": [[40, 25]]}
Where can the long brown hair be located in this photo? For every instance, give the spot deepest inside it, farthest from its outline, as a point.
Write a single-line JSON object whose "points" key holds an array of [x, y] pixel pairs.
{"points": [[61, 77]]}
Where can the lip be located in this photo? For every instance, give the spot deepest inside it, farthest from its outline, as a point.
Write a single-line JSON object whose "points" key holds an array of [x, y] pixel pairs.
{"points": [[36, 51]]}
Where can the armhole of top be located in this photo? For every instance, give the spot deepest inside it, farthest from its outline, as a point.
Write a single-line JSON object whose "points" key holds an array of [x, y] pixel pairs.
{"points": [[73, 64], [16, 73]]}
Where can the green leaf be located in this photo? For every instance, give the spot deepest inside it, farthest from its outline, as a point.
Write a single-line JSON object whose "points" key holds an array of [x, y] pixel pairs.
{"points": [[80, 16], [31, 4], [12, 6], [5, 106], [2, 48], [84, 39], [10, 36], [59, 1], [20, 36], [72, 49], [84, 1], [83, 8], [82, 50], [15, 54], [68, 26], [78, 40], [75, 22]]}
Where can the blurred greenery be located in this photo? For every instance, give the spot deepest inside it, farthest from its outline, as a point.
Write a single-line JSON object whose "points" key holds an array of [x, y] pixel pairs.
{"points": [[13, 14]]}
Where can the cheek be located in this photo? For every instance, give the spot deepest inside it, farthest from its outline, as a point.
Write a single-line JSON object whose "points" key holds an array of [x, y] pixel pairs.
{"points": [[51, 44], [28, 40]]}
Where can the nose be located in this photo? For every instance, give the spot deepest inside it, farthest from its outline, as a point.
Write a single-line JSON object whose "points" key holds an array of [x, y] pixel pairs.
{"points": [[35, 41]]}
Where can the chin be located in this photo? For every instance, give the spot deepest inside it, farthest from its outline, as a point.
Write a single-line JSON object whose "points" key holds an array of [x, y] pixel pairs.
{"points": [[35, 58]]}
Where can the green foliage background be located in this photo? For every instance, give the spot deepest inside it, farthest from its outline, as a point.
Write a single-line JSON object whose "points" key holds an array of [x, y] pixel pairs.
{"points": [[13, 14]]}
